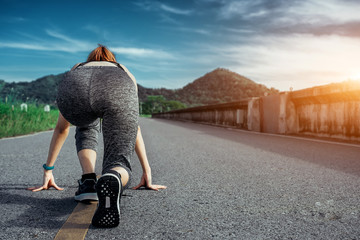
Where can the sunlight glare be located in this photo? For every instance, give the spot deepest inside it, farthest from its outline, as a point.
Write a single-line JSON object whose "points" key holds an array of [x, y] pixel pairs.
{"points": [[355, 77]]}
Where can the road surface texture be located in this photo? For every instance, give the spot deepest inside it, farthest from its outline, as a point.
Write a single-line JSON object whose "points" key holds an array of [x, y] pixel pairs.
{"points": [[222, 184]]}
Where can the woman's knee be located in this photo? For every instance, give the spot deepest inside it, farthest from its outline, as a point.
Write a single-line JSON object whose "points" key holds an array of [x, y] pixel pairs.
{"points": [[87, 136]]}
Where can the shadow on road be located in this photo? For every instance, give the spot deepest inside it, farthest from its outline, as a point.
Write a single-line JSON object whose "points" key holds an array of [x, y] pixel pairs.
{"points": [[32, 211], [338, 157]]}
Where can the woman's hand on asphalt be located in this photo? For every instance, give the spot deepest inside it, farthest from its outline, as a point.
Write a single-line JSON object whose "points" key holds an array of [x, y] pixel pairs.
{"points": [[48, 182], [146, 182]]}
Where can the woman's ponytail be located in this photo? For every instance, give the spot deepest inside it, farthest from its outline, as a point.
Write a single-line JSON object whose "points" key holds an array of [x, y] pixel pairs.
{"points": [[101, 53]]}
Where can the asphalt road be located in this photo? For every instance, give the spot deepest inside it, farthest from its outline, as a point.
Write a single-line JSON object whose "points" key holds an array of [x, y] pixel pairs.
{"points": [[222, 184]]}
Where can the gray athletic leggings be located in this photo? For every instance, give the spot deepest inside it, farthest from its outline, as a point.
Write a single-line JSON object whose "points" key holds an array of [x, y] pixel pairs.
{"points": [[88, 93]]}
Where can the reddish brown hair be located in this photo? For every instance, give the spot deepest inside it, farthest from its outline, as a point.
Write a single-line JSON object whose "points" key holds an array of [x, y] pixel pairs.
{"points": [[101, 53]]}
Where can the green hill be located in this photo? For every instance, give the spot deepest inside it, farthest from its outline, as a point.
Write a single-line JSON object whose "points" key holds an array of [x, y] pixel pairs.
{"points": [[220, 86], [42, 90]]}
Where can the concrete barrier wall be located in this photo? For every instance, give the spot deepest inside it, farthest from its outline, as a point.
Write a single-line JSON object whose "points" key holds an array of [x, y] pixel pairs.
{"points": [[228, 114], [329, 111], [326, 111], [337, 120]]}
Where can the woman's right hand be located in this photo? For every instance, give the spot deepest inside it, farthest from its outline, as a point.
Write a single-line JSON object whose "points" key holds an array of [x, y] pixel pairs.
{"points": [[146, 182], [48, 182]]}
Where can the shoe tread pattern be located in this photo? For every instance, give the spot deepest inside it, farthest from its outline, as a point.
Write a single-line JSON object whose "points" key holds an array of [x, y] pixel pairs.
{"points": [[107, 216]]}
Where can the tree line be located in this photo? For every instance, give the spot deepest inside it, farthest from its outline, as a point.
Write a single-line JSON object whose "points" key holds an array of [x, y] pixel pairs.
{"points": [[158, 103]]}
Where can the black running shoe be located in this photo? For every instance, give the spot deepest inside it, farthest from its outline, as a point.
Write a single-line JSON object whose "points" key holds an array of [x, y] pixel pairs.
{"points": [[107, 214], [86, 191]]}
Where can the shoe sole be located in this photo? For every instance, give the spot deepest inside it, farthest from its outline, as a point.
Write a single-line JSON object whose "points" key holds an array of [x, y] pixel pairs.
{"points": [[107, 214], [86, 197]]}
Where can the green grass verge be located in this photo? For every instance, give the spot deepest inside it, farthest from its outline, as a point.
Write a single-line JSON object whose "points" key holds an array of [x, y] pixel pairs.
{"points": [[145, 115], [16, 122]]}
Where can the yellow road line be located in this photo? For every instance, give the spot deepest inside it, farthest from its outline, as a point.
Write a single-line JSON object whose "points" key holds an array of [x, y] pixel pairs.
{"points": [[77, 225]]}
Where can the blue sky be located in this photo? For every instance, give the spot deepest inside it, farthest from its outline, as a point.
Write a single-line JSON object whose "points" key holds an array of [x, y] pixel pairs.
{"points": [[277, 43]]}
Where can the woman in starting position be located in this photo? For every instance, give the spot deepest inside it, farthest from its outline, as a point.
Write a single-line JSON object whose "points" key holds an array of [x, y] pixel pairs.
{"points": [[100, 88]]}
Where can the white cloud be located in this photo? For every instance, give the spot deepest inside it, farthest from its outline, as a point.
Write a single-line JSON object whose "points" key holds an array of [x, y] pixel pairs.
{"points": [[174, 10], [46, 47], [156, 6], [69, 44], [142, 52], [28, 46], [30, 68], [337, 10], [194, 30], [259, 13], [307, 11], [66, 44], [97, 30], [17, 19], [12, 19], [234, 8], [300, 61], [240, 30], [167, 19], [297, 61], [145, 5]]}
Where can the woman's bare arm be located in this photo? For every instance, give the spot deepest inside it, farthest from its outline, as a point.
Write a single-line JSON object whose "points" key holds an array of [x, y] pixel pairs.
{"points": [[141, 153], [60, 134]]}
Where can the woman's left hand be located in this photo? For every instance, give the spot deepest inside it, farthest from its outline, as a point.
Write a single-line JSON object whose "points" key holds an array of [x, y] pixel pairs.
{"points": [[48, 182]]}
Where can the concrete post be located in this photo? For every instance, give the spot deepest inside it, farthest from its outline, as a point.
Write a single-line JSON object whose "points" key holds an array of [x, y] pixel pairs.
{"points": [[253, 118]]}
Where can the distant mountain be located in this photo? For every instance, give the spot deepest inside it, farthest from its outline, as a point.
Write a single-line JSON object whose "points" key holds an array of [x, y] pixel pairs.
{"points": [[218, 86]]}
